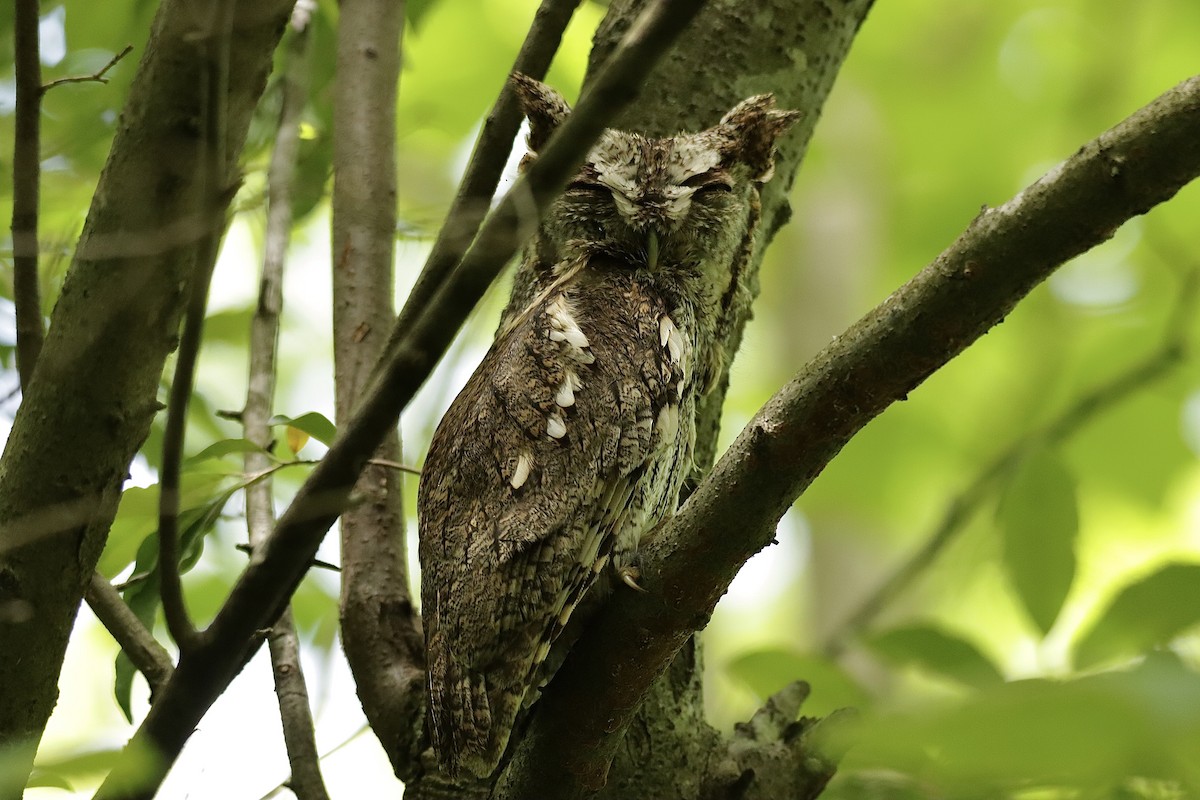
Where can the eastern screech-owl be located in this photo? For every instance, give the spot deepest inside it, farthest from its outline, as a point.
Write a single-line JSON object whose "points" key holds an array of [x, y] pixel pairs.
{"points": [[574, 435]]}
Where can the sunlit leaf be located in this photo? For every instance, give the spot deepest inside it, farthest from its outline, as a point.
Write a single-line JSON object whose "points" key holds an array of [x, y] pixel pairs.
{"points": [[81, 764], [296, 438], [224, 447], [137, 514], [1039, 522], [230, 326], [937, 651], [1147, 613], [315, 424], [765, 672], [49, 779]]}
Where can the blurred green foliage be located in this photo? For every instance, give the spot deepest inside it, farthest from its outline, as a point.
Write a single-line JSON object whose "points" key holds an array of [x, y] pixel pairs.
{"points": [[1050, 649]]}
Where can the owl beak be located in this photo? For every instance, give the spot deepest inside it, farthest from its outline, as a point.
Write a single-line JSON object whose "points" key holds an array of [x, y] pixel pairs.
{"points": [[652, 249]]}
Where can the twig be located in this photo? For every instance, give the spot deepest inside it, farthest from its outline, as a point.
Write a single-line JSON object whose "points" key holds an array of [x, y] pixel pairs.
{"points": [[396, 465], [212, 186], [487, 160], [316, 563], [150, 657], [26, 187], [290, 687], [264, 588], [688, 563], [95, 77], [339, 746], [1164, 358]]}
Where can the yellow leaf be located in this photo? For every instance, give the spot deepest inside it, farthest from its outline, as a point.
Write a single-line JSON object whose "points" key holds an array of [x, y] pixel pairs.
{"points": [[296, 438]]}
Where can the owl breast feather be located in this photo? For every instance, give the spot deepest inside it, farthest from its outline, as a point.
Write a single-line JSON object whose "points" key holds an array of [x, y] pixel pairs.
{"points": [[570, 441]]}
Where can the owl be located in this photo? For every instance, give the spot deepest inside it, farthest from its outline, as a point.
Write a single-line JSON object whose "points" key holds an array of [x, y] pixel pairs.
{"points": [[574, 436]]}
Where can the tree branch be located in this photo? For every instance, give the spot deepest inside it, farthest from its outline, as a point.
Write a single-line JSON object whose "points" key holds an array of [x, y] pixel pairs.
{"points": [[212, 188], [95, 77], [487, 160], [295, 713], [689, 562], [278, 566], [381, 633], [150, 657], [26, 187]]}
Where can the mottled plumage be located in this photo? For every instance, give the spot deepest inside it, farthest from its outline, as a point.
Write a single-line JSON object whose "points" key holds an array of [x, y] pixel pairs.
{"points": [[573, 437]]}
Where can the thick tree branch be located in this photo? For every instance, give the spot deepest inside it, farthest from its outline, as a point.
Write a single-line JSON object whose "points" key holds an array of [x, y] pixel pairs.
{"points": [[277, 567], [295, 713], [381, 634], [26, 187], [150, 657], [689, 562], [487, 160]]}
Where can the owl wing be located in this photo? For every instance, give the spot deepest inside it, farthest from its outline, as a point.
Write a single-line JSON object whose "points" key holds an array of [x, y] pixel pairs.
{"points": [[533, 474]]}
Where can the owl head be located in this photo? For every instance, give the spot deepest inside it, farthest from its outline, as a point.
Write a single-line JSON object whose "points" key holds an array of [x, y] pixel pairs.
{"points": [[674, 203]]}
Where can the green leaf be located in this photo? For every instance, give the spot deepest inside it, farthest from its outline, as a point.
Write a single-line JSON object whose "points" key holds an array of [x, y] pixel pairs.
{"points": [[124, 672], [229, 326], [59, 772], [47, 779], [1146, 614], [415, 11], [1089, 733], [1039, 523], [937, 651], [143, 599], [137, 515], [313, 423], [765, 672], [218, 450]]}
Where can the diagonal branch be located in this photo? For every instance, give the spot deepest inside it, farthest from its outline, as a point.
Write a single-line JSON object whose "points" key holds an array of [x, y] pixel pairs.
{"points": [[487, 160], [969, 288], [276, 568], [150, 658]]}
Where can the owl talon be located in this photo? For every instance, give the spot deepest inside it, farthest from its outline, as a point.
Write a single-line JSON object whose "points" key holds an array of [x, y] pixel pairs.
{"points": [[629, 576]]}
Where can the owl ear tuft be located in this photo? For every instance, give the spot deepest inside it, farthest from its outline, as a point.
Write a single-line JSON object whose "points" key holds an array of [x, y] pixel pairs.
{"points": [[542, 106], [752, 128]]}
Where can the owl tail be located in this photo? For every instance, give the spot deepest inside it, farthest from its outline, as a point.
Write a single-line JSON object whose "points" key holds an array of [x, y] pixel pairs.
{"points": [[470, 721]]}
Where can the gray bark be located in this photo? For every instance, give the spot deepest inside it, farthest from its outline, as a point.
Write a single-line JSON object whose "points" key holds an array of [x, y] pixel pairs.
{"points": [[381, 633], [93, 394]]}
